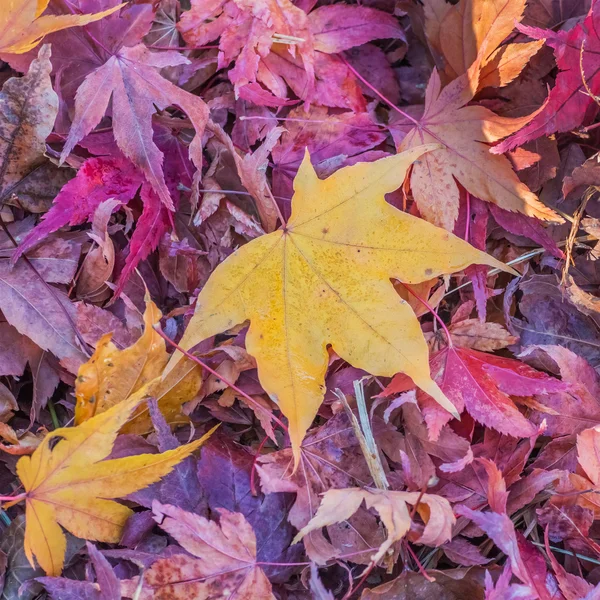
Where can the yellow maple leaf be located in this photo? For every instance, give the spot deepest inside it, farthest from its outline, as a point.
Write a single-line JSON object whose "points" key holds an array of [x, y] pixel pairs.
{"points": [[112, 375], [67, 482], [22, 25], [465, 134], [325, 279]]}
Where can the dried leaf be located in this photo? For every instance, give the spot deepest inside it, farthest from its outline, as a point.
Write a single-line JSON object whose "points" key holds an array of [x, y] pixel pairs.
{"points": [[221, 560], [339, 505], [29, 107]]}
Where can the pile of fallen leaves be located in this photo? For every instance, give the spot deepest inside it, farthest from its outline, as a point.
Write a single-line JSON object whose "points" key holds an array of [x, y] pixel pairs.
{"points": [[299, 299]]}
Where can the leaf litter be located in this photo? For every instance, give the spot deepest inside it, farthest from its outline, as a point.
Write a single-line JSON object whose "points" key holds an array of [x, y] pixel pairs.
{"points": [[358, 238]]}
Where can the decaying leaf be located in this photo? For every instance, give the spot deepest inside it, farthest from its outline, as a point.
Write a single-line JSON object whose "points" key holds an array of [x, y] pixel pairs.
{"points": [[336, 255], [68, 483], [28, 110], [112, 375], [222, 562], [339, 505]]}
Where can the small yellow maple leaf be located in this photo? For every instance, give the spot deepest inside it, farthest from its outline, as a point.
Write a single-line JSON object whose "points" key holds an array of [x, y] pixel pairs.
{"points": [[112, 375], [67, 482], [22, 25], [325, 279]]}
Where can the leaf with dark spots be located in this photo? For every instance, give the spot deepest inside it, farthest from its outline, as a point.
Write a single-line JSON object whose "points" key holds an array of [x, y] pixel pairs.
{"points": [[29, 106], [221, 562]]}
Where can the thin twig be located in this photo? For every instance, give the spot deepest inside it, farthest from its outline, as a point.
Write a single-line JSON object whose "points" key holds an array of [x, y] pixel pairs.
{"points": [[585, 83], [433, 312], [515, 261], [376, 91], [570, 241], [228, 383]]}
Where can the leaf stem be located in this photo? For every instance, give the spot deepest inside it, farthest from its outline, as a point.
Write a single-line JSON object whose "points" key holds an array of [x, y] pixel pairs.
{"points": [[433, 312], [228, 383], [13, 499], [365, 574], [376, 91], [180, 48], [468, 218], [53, 415], [418, 562], [252, 473]]}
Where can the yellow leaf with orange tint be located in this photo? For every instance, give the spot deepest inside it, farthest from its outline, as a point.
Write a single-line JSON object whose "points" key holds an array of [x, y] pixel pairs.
{"points": [[457, 32], [112, 375], [23, 26], [465, 133], [325, 279]]}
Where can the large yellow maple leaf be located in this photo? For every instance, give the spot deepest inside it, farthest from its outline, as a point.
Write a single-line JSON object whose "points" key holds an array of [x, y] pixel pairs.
{"points": [[67, 482], [22, 25], [325, 279]]}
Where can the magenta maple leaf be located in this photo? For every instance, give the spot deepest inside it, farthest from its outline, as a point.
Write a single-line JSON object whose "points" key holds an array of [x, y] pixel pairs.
{"points": [[569, 103], [480, 383], [137, 90], [98, 180]]}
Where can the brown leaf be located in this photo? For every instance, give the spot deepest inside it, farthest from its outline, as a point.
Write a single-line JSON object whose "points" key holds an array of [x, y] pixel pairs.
{"points": [[485, 337], [222, 562], [99, 263], [8, 404], [29, 107], [19, 442], [392, 507], [413, 586]]}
